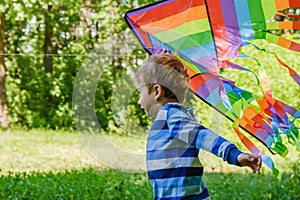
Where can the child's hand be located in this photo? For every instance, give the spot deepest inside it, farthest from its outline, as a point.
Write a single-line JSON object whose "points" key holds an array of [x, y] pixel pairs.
{"points": [[250, 160]]}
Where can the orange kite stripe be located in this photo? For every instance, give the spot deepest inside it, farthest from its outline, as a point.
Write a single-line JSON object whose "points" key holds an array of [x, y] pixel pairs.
{"points": [[165, 11], [282, 4], [289, 25], [191, 14], [284, 42]]}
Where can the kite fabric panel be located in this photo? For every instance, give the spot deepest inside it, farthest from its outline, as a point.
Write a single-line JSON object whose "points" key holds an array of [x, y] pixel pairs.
{"points": [[205, 35]]}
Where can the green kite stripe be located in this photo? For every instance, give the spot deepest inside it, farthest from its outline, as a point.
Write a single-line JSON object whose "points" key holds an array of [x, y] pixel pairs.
{"points": [[273, 26], [192, 66], [188, 28], [191, 41], [272, 38], [269, 9], [256, 15]]}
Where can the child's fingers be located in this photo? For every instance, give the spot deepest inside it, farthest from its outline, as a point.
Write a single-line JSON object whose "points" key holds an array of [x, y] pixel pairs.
{"points": [[251, 160], [254, 162], [258, 163], [259, 160]]}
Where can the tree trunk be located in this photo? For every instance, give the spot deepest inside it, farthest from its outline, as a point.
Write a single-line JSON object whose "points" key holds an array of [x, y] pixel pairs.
{"points": [[48, 49], [4, 122], [85, 16], [113, 42]]}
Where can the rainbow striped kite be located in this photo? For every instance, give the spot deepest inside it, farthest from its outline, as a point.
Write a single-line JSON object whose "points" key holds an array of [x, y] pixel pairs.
{"points": [[206, 34]]}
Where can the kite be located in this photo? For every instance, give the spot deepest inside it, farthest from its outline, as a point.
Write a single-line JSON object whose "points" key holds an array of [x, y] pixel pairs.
{"points": [[206, 35]]}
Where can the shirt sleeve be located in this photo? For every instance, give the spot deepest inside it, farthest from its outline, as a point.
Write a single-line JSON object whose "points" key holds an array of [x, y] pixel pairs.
{"points": [[186, 129]]}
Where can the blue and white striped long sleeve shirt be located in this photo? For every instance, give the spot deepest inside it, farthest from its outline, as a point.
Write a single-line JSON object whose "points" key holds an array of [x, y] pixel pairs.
{"points": [[173, 145]]}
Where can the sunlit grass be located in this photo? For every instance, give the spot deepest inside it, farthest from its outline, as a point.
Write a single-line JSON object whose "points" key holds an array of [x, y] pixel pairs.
{"points": [[41, 164], [43, 151]]}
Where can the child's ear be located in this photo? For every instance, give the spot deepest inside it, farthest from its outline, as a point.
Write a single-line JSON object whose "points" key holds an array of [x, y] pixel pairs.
{"points": [[158, 91]]}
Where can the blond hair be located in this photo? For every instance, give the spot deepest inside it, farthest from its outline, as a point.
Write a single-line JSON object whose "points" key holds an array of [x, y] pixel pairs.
{"points": [[165, 69]]}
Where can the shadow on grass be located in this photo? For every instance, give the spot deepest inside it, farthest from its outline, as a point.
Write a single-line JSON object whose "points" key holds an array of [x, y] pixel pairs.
{"points": [[112, 184]]}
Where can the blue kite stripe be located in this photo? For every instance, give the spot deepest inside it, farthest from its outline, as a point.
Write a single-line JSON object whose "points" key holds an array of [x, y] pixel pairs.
{"points": [[199, 51], [157, 43], [207, 64], [244, 20]]}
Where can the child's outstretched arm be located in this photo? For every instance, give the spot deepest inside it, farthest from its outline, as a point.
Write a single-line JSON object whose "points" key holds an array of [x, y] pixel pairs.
{"points": [[250, 160]]}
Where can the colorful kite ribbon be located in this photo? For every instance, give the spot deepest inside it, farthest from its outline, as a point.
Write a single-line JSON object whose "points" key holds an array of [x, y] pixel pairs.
{"points": [[205, 35]]}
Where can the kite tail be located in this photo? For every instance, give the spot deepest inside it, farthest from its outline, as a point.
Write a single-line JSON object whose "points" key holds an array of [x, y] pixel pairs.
{"points": [[287, 25], [273, 113], [253, 149], [281, 41], [228, 64], [288, 15], [292, 72], [288, 127], [278, 111]]}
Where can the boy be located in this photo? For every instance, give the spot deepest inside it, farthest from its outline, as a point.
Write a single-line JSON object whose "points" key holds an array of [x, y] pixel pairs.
{"points": [[175, 138]]}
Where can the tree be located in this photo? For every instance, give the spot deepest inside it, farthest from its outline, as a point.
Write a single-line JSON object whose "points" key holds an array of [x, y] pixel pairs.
{"points": [[40, 86], [3, 99], [48, 49]]}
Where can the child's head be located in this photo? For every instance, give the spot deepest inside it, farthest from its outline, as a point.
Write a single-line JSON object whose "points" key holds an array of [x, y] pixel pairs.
{"points": [[168, 72]]}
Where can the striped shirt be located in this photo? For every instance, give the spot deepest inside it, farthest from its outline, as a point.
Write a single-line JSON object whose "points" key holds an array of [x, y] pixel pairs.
{"points": [[173, 145]]}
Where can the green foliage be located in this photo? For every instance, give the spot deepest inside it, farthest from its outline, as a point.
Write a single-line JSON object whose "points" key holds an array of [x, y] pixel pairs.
{"points": [[111, 184], [86, 184], [249, 186], [78, 29], [40, 99]]}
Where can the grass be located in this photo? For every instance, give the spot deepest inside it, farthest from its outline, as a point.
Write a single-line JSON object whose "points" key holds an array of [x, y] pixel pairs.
{"points": [[112, 184], [45, 151], [83, 184], [250, 186], [42, 164]]}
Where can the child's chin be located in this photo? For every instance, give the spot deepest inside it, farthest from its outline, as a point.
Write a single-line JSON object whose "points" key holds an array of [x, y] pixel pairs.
{"points": [[149, 114], [153, 110]]}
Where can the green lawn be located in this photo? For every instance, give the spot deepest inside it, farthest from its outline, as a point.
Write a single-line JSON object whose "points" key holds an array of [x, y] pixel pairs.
{"points": [[41, 164], [43, 151], [112, 184]]}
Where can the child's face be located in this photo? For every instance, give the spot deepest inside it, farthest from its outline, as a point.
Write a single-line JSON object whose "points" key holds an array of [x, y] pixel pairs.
{"points": [[146, 100]]}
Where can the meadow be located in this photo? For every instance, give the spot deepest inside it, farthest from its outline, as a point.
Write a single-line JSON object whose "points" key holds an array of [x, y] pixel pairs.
{"points": [[43, 164]]}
